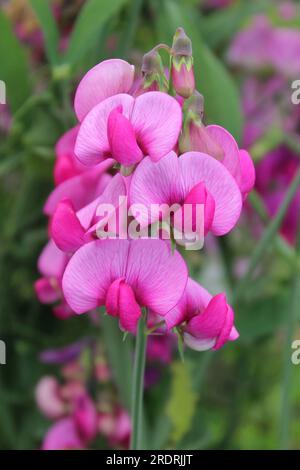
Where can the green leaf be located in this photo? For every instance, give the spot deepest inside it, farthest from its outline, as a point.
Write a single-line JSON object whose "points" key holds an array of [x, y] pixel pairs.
{"points": [[267, 238], [14, 69], [49, 28], [182, 403], [222, 102], [92, 18], [119, 356]]}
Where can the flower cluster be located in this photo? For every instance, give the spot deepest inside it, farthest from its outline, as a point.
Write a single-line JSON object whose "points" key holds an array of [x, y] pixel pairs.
{"points": [[83, 404], [77, 416], [142, 140]]}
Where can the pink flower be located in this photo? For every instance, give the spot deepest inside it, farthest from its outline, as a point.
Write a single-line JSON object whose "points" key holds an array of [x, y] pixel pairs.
{"points": [[66, 164], [51, 265], [209, 320], [274, 175], [193, 178], [219, 143], [49, 399], [106, 79], [125, 276], [85, 417], [70, 229], [63, 435], [116, 426], [127, 128], [262, 45], [80, 189]]}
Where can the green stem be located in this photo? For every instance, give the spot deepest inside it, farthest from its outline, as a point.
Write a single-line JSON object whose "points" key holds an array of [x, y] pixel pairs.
{"points": [[138, 385], [267, 237], [291, 315]]}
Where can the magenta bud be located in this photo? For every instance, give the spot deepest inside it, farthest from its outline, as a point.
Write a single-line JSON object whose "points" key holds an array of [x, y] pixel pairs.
{"points": [[182, 64]]}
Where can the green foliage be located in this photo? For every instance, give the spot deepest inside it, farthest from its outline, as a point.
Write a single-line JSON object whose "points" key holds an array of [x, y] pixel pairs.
{"points": [[49, 28], [89, 23], [14, 69], [182, 397]]}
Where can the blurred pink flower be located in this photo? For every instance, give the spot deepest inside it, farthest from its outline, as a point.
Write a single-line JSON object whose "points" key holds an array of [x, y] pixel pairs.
{"points": [[49, 399], [274, 175], [63, 435]]}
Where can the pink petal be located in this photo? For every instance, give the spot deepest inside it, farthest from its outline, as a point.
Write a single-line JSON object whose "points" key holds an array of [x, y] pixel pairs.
{"points": [[85, 417], [129, 309], [193, 301], [121, 136], [63, 311], [49, 401], [80, 189], [63, 435], [226, 329], [157, 276], [52, 261], [231, 151], [92, 144], [234, 334], [155, 183], [247, 172], [200, 195], [112, 298], [198, 344], [108, 206], [45, 291], [215, 322], [157, 119], [198, 167], [91, 271], [66, 229], [66, 165], [210, 322], [106, 79]]}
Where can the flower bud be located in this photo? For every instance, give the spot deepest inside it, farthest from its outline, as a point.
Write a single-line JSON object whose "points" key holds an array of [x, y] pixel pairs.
{"points": [[154, 78], [182, 70], [194, 136]]}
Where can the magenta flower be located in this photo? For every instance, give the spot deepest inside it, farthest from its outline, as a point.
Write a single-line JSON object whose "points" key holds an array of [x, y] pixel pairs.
{"points": [[125, 276], [85, 417], [262, 45], [193, 178], [207, 321], [66, 164], [106, 79], [70, 230], [219, 143], [63, 435], [127, 129], [80, 189], [51, 265]]}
